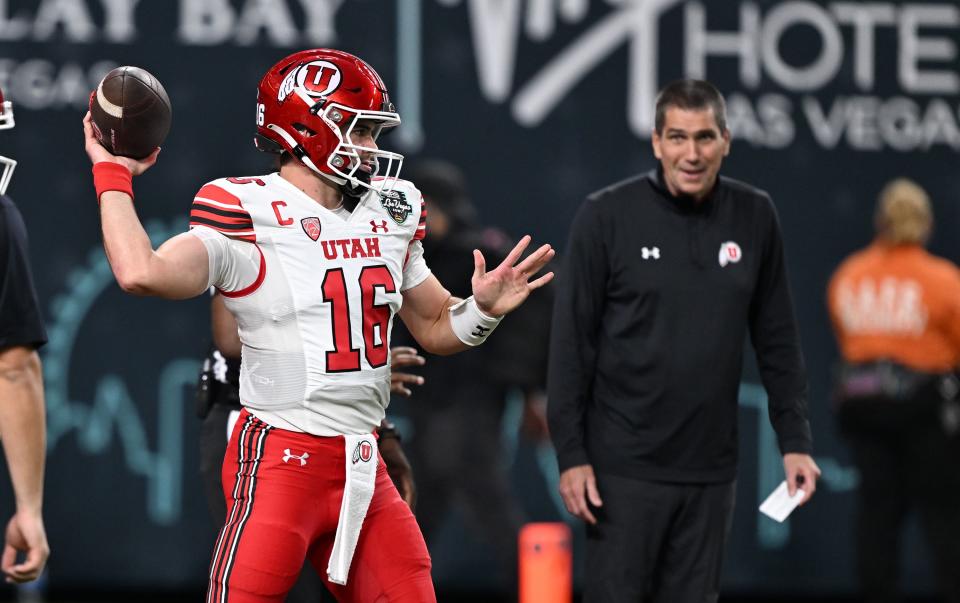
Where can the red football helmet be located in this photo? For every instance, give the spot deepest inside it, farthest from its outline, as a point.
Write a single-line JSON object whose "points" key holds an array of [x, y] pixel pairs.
{"points": [[309, 103], [6, 122]]}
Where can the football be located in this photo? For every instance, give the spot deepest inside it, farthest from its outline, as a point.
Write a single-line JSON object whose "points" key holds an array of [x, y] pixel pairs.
{"points": [[131, 112]]}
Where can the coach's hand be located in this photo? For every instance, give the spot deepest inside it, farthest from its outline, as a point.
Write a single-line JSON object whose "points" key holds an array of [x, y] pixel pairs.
{"points": [[801, 472], [25, 534], [578, 485]]}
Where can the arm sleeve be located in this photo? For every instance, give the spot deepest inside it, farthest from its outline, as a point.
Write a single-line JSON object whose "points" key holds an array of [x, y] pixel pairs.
{"points": [[415, 269], [20, 316], [578, 308], [776, 340], [235, 265]]}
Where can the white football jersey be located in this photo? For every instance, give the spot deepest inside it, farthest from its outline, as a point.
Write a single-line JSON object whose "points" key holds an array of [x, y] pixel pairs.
{"points": [[314, 293]]}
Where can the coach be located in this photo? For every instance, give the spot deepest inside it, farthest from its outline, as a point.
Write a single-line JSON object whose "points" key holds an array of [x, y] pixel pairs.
{"points": [[665, 273]]}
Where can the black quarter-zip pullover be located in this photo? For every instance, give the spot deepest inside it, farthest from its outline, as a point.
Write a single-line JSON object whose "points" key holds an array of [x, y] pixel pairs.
{"points": [[656, 295]]}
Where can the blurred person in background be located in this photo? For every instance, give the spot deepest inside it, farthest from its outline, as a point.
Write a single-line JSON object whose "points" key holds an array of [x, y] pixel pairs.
{"points": [[22, 414], [457, 415], [218, 405], [895, 310], [664, 275], [315, 262]]}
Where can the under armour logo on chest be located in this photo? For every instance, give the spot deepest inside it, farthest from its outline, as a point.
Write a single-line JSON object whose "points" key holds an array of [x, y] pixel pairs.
{"points": [[378, 227], [287, 455], [650, 252]]}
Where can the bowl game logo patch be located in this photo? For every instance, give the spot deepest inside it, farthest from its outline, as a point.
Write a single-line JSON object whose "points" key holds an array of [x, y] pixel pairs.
{"points": [[396, 204]]}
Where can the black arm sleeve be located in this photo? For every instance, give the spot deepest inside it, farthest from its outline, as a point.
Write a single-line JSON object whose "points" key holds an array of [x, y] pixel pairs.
{"points": [[578, 307], [776, 340], [20, 318]]}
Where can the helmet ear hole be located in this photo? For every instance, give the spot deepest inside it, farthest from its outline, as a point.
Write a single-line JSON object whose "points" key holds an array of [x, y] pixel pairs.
{"points": [[305, 130]]}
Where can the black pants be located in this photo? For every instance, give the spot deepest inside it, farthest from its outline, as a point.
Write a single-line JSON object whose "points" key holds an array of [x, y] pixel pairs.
{"points": [[907, 462], [657, 542], [213, 445]]}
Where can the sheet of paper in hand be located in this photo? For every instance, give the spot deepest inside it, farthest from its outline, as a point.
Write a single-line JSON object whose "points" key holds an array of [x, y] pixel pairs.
{"points": [[780, 504]]}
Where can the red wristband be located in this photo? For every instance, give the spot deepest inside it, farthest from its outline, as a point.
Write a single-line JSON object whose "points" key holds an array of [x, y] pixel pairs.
{"points": [[109, 176]]}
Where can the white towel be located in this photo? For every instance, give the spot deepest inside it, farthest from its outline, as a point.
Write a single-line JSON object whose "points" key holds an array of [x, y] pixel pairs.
{"points": [[361, 476]]}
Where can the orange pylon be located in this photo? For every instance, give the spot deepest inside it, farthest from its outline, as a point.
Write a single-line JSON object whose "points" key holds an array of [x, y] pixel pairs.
{"points": [[546, 563]]}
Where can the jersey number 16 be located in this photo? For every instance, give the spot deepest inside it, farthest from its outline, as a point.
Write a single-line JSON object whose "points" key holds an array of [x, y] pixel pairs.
{"points": [[376, 318]]}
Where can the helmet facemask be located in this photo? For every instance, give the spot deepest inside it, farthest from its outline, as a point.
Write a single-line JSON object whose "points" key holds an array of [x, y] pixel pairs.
{"points": [[7, 174], [346, 161], [6, 123]]}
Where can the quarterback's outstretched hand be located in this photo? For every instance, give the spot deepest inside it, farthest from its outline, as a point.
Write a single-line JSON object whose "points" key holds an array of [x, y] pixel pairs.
{"points": [[507, 286], [97, 152]]}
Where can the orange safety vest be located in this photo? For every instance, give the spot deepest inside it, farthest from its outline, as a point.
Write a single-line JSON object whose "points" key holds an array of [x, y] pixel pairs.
{"points": [[897, 303]]}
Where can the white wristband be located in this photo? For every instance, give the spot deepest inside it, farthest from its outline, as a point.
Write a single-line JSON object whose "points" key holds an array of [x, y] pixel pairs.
{"points": [[470, 325]]}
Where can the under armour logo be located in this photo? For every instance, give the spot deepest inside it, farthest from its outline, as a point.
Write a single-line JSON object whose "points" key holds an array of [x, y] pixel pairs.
{"points": [[479, 331], [287, 455], [381, 225], [648, 252]]}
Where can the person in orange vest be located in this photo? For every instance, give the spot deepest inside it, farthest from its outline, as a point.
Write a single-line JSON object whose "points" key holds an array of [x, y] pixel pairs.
{"points": [[895, 310]]}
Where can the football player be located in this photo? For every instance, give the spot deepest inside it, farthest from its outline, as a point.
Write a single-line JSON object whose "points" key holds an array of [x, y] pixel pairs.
{"points": [[22, 415], [314, 261]]}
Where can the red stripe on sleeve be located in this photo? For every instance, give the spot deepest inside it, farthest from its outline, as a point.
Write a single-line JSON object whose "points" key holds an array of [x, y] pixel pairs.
{"points": [[422, 225], [216, 208], [215, 193], [200, 212]]}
